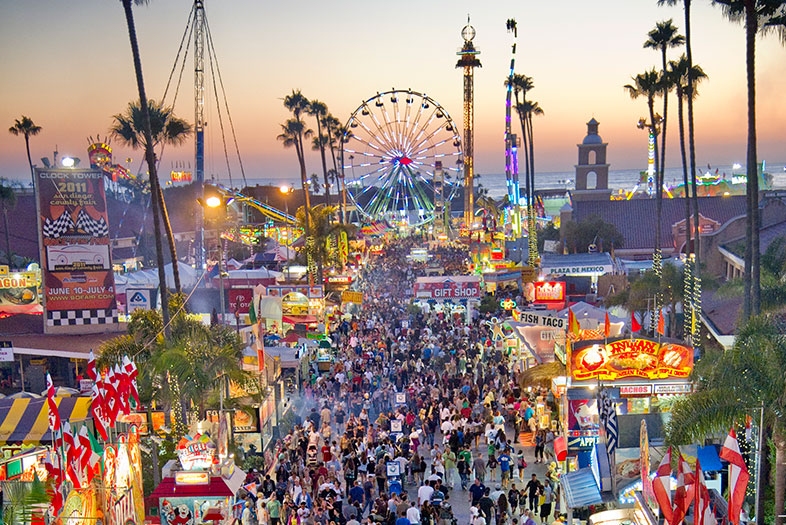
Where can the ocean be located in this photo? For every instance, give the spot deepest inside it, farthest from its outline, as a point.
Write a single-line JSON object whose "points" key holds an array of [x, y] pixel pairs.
{"points": [[618, 179]]}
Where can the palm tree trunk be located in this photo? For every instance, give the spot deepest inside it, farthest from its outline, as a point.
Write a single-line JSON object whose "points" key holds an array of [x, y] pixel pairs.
{"points": [[665, 121], [752, 270], [170, 237], [691, 138], [7, 237], [151, 162], [324, 162], [29, 159], [687, 290]]}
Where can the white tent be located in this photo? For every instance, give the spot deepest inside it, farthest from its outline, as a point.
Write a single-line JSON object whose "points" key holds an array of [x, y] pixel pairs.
{"points": [[149, 278]]}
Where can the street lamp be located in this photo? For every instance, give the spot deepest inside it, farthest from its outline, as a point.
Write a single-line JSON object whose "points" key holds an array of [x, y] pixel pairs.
{"points": [[286, 190], [215, 201]]}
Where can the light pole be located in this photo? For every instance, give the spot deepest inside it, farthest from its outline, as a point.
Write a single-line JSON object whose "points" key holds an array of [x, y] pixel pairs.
{"points": [[216, 201], [286, 190]]}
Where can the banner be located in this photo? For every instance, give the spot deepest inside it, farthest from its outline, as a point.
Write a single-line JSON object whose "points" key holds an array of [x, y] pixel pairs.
{"points": [[78, 283], [624, 358]]}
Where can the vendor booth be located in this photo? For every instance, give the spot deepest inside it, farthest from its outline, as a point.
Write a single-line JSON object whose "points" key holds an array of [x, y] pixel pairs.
{"points": [[197, 484]]}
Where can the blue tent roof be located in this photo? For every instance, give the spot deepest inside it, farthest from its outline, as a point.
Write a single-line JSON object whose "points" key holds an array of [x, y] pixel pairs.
{"points": [[580, 489]]}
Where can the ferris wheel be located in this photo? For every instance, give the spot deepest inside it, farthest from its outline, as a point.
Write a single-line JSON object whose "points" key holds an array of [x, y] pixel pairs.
{"points": [[402, 158]]}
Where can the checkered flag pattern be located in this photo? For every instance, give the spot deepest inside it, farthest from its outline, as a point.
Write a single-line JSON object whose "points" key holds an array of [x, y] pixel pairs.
{"points": [[608, 419], [81, 317], [96, 228], [58, 227]]}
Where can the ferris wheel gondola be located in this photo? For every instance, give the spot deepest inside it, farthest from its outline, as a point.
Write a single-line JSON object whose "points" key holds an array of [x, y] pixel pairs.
{"points": [[402, 158]]}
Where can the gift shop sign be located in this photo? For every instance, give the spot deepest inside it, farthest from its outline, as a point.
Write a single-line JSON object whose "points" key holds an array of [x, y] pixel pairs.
{"points": [[464, 287], [623, 358]]}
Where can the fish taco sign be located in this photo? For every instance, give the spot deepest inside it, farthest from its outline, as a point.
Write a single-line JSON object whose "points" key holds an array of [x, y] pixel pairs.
{"points": [[630, 358]]}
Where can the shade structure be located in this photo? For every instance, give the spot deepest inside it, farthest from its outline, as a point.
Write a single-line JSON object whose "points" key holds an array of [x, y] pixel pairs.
{"points": [[299, 319], [27, 420], [580, 488]]}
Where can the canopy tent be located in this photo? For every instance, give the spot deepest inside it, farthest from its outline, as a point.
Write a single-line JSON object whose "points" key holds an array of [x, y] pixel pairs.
{"points": [[580, 488], [289, 356], [591, 317], [149, 278], [27, 420]]}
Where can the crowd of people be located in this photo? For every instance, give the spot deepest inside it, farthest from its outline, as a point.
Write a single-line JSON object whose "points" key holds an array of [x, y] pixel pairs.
{"points": [[418, 412]]}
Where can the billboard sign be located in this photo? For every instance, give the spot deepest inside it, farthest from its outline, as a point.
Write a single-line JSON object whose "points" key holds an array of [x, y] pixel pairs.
{"points": [[630, 358], [73, 229], [549, 292], [19, 292]]}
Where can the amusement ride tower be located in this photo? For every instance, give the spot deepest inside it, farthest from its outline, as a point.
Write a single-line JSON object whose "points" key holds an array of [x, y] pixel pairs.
{"points": [[469, 61], [199, 131]]}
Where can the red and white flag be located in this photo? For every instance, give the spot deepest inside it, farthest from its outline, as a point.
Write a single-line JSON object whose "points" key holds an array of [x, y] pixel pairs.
{"points": [[110, 397], [738, 475], [122, 390], [88, 460], [607, 326], [91, 366], [97, 411], [661, 485], [72, 454], [661, 323], [702, 513], [683, 495], [131, 374], [53, 411]]}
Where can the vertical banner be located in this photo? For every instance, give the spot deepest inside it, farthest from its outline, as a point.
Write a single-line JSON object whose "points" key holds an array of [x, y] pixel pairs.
{"points": [[78, 283]]}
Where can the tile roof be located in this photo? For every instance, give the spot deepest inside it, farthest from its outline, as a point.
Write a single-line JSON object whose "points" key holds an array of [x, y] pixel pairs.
{"points": [[635, 219]]}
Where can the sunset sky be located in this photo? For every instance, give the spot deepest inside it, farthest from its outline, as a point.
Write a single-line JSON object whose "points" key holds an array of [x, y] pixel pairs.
{"points": [[68, 66]]}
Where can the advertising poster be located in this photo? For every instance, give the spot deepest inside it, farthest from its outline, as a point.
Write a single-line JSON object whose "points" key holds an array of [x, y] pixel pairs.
{"points": [[19, 292], [78, 283]]}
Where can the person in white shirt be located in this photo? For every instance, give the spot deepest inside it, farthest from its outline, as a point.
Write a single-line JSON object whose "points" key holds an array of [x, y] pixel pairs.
{"points": [[413, 514], [424, 493]]}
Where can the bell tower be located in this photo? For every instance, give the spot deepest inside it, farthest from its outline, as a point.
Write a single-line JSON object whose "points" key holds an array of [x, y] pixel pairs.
{"points": [[592, 171]]}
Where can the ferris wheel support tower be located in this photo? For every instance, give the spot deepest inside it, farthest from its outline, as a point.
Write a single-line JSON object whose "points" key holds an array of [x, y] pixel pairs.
{"points": [[468, 59]]}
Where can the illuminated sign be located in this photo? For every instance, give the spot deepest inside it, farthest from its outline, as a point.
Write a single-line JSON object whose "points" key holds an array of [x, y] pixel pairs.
{"points": [[181, 176], [508, 304], [622, 358], [183, 477], [549, 292], [539, 319], [352, 297], [197, 453], [453, 287], [578, 270], [633, 390], [339, 279]]}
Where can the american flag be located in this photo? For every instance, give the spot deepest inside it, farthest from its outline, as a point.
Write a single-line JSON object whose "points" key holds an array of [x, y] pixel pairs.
{"points": [[608, 419]]}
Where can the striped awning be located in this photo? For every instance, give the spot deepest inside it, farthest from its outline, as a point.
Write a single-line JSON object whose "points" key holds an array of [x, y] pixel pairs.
{"points": [[27, 420], [580, 488]]}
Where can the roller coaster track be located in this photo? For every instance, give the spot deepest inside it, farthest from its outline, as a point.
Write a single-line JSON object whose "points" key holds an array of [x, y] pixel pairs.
{"points": [[266, 209]]}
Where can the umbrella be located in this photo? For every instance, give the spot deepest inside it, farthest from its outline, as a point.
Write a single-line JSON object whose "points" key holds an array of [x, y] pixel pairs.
{"points": [[434, 477], [64, 391], [24, 395]]}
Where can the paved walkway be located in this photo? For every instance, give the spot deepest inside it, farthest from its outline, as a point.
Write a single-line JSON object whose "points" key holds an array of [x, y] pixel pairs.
{"points": [[460, 499]]}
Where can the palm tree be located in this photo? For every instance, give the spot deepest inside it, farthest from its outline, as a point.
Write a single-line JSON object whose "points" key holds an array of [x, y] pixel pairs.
{"points": [[319, 111], [662, 38], [294, 133], [521, 85], [764, 15], [8, 202], [167, 129], [746, 378], [150, 157], [678, 75], [691, 130], [27, 128], [648, 85], [324, 231]]}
